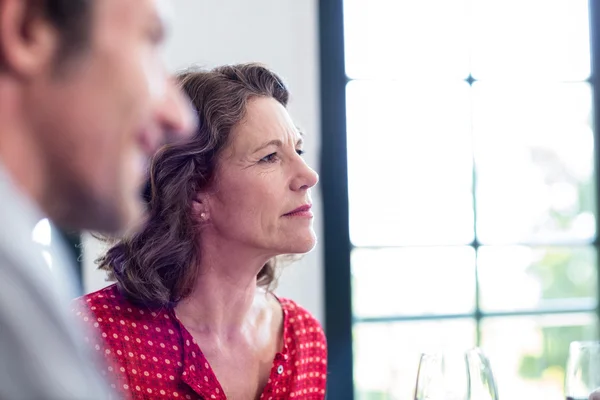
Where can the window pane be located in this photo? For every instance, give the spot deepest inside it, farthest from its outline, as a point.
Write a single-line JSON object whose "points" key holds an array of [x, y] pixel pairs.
{"points": [[400, 282], [532, 39], [405, 39], [529, 354], [409, 163], [42, 233], [547, 278], [534, 156], [386, 356]]}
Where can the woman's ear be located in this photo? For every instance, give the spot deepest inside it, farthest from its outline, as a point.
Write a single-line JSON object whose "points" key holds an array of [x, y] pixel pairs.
{"points": [[200, 206]]}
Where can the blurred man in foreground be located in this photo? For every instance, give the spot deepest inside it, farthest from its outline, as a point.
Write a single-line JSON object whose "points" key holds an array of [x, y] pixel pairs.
{"points": [[84, 100]]}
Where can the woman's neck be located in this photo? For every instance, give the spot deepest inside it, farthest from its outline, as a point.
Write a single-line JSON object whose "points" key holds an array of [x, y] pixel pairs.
{"points": [[226, 298]]}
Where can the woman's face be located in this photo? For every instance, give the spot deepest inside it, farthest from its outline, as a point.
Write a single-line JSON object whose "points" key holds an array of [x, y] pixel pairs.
{"points": [[261, 198]]}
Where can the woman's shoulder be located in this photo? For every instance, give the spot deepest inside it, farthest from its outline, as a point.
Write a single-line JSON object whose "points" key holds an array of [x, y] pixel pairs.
{"points": [[110, 315], [305, 342], [110, 306], [108, 299], [301, 322], [296, 313]]}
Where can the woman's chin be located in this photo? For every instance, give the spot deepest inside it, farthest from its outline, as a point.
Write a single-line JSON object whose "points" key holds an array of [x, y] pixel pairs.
{"points": [[303, 244]]}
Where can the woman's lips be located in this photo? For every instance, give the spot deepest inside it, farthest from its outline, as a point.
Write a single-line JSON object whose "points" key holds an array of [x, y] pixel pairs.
{"points": [[302, 211]]}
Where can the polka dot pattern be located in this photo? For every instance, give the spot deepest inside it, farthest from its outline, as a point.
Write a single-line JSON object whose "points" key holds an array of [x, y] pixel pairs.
{"points": [[149, 354]]}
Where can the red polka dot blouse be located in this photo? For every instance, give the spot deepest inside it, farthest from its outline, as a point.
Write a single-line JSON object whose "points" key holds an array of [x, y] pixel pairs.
{"points": [[149, 354]]}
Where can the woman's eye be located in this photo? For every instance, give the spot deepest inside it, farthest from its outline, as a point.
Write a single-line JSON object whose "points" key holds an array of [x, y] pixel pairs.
{"points": [[300, 152], [270, 158]]}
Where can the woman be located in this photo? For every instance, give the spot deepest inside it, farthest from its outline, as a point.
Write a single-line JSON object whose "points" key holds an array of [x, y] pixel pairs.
{"points": [[192, 314]]}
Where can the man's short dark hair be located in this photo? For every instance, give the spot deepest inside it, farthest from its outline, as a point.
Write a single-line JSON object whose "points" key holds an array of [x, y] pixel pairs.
{"points": [[72, 20]]}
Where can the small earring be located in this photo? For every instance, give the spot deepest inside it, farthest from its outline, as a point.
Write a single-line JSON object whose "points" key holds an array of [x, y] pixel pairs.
{"points": [[202, 216]]}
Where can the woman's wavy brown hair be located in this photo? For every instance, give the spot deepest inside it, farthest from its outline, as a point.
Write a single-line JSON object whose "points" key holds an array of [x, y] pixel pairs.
{"points": [[158, 265]]}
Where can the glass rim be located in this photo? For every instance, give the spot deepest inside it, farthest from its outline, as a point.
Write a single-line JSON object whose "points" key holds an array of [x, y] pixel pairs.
{"points": [[450, 350], [585, 343]]}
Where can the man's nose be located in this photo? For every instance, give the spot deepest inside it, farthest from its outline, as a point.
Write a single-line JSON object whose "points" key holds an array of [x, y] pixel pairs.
{"points": [[176, 114]]}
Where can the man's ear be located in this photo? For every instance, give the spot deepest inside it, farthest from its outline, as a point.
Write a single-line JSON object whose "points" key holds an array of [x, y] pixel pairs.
{"points": [[28, 41]]}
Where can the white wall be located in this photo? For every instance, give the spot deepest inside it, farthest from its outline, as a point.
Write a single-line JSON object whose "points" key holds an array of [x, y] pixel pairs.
{"points": [[283, 34]]}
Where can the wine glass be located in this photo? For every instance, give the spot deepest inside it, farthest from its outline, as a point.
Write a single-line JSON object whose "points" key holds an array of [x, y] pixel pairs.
{"points": [[481, 378], [455, 376], [582, 377]]}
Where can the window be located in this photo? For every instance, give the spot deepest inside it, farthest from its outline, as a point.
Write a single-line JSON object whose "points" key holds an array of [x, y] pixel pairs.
{"points": [[49, 236], [42, 235], [460, 192]]}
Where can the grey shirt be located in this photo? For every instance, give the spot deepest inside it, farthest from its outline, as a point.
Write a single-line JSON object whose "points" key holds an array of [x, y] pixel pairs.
{"points": [[40, 355]]}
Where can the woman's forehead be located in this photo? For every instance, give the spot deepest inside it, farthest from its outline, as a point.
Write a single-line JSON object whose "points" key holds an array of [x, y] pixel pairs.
{"points": [[265, 121]]}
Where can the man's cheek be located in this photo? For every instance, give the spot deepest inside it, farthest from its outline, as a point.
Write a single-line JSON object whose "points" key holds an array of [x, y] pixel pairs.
{"points": [[155, 78]]}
